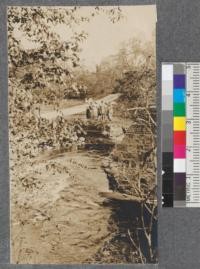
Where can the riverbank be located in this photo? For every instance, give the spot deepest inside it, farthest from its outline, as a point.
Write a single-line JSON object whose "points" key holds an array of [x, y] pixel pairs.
{"points": [[64, 216]]}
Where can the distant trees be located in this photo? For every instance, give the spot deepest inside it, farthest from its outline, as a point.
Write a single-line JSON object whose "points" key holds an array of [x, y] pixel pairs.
{"points": [[130, 71], [54, 58], [137, 82]]}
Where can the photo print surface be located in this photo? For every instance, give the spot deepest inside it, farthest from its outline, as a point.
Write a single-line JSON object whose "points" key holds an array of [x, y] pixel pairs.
{"points": [[82, 134]]}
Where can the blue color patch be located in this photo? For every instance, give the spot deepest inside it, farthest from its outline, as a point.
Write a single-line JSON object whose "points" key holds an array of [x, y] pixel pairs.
{"points": [[179, 81], [179, 95]]}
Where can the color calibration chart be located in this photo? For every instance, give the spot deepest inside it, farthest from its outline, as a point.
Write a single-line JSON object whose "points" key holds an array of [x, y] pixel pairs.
{"points": [[180, 134]]}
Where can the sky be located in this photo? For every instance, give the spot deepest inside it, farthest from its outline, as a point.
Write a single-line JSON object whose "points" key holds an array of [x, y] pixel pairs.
{"points": [[105, 37]]}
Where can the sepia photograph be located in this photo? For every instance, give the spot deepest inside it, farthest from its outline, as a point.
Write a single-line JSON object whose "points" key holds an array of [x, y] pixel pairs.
{"points": [[82, 134]]}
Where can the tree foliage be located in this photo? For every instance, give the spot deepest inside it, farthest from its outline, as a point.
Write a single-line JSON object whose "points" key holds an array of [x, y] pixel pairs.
{"points": [[38, 25]]}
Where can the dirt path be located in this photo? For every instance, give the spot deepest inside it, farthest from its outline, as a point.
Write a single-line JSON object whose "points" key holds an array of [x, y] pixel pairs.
{"points": [[51, 115], [65, 221], [62, 219]]}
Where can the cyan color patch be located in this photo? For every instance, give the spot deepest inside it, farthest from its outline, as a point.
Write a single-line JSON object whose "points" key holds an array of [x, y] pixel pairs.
{"points": [[179, 95]]}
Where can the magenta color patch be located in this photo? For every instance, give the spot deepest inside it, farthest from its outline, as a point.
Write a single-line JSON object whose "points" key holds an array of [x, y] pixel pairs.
{"points": [[179, 151]]}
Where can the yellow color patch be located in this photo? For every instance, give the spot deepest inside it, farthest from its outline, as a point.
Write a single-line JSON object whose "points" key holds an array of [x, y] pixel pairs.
{"points": [[179, 123]]}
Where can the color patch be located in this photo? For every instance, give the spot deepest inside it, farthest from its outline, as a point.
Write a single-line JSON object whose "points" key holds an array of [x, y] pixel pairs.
{"points": [[180, 187], [179, 151], [180, 178], [179, 165], [179, 123], [179, 95], [179, 81], [167, 72], [180, 137], [167, 102], [179, 109], [168, 186], [167, 87]]}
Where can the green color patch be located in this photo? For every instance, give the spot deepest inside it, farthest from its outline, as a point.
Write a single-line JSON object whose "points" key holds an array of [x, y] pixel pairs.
{"points": [[179, 109]]}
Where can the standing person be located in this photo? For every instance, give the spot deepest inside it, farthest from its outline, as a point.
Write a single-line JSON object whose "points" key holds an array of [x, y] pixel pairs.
{"points": [[88, 112], [89, 109], [92, 108], [95, 110]]}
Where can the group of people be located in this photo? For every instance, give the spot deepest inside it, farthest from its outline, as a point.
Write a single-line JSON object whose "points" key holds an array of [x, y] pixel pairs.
{"points": [[99, 110]]}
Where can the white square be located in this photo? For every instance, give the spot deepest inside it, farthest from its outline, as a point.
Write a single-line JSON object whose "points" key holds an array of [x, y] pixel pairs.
{"points": [[167, 72], [179, 165]]}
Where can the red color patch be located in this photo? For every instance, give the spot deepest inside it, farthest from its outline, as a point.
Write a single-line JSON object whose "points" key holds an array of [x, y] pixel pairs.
{"points": [[180, 137]]}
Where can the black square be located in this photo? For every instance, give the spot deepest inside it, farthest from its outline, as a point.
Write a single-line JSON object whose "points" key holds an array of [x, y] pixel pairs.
{"points": [[167, 186], [168, 200]]}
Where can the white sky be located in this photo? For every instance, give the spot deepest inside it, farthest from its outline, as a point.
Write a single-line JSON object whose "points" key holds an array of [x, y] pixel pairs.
{"points": [[105, 37]]}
